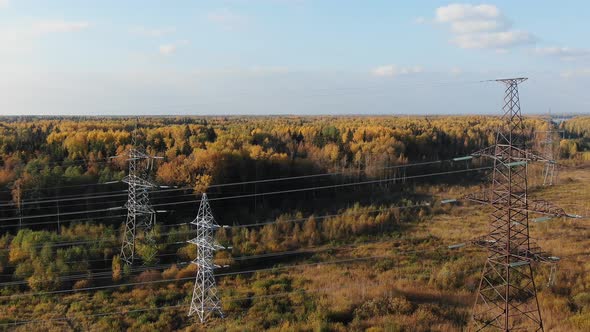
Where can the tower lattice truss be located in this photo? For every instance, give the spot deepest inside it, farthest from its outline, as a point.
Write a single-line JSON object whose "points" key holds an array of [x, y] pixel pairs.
{"points": [[507, 295], [549, 169], [140, 213], [205, 301]]}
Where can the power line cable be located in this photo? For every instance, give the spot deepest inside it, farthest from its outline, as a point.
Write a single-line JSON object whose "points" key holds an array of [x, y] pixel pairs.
{"points": [[328, 187], [357, 183], [347, 260], [94, 275], [124, 192], [270, 222]]}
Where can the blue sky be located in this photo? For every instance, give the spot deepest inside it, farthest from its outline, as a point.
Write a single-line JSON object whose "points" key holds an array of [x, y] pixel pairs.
{"points": [[290, 56]]}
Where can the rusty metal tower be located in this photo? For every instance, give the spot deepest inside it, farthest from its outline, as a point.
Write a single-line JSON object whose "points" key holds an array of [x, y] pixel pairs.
{"points": [[507, 295]]}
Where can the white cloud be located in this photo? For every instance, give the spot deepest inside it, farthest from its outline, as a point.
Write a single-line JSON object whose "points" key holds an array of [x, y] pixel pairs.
{"points": [[171, 48], [563, 53], [21, 36], [393, 70], [493, 40], [155, 33], [481, 27], [465, 27], [226, 19], [57, 26], [578, 72], [465, 12], [420, 20]]}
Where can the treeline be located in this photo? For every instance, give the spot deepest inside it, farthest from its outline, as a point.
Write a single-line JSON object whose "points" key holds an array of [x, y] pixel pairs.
{"points": [[37, 153], [575, 142]]}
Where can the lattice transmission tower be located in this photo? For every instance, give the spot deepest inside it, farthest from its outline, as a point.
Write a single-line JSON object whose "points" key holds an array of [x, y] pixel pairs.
{"points": [[550, 169], [507, 295], [140, 213], [205, 301]]}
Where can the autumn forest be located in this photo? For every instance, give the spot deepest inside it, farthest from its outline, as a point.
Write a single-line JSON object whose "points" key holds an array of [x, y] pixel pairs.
{"points": [[333, 223]]}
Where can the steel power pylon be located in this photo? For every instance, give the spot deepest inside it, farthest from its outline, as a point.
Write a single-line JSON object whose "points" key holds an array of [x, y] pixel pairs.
{"points": [[507, 295], [205, 301], [550, 168], [140, 213]]}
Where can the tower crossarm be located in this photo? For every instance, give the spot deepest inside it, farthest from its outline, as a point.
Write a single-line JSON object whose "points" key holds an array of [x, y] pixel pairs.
{"points": [[530, 252], [208, 223], [496, 152], [206, 243], [530, 205], [138, 182], [547, 208], [204, 264], [139, 209]]}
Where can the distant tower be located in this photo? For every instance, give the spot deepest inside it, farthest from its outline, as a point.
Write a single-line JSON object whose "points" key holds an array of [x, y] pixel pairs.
{"points": [[549, 169], [205, 301], [140, 213]]}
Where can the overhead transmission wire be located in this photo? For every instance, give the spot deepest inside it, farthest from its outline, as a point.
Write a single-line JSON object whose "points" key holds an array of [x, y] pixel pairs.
{"points": [[107, 272], [237, 298], [124, 192], [259, 194], [151, 309], [63, 187], [117, 203], [268, 254], [272, 254], [110, 202], [94, 240], [328, 186], [356, 183], [61, 221], [178, 306], [276, 221], [73, 243], [276, 268], [92, 275], [310, 250], [102, 195], [237, 226]]}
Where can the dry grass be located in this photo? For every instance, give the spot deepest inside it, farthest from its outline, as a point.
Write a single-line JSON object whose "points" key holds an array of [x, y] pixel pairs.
{"points": [[415, 277]]}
